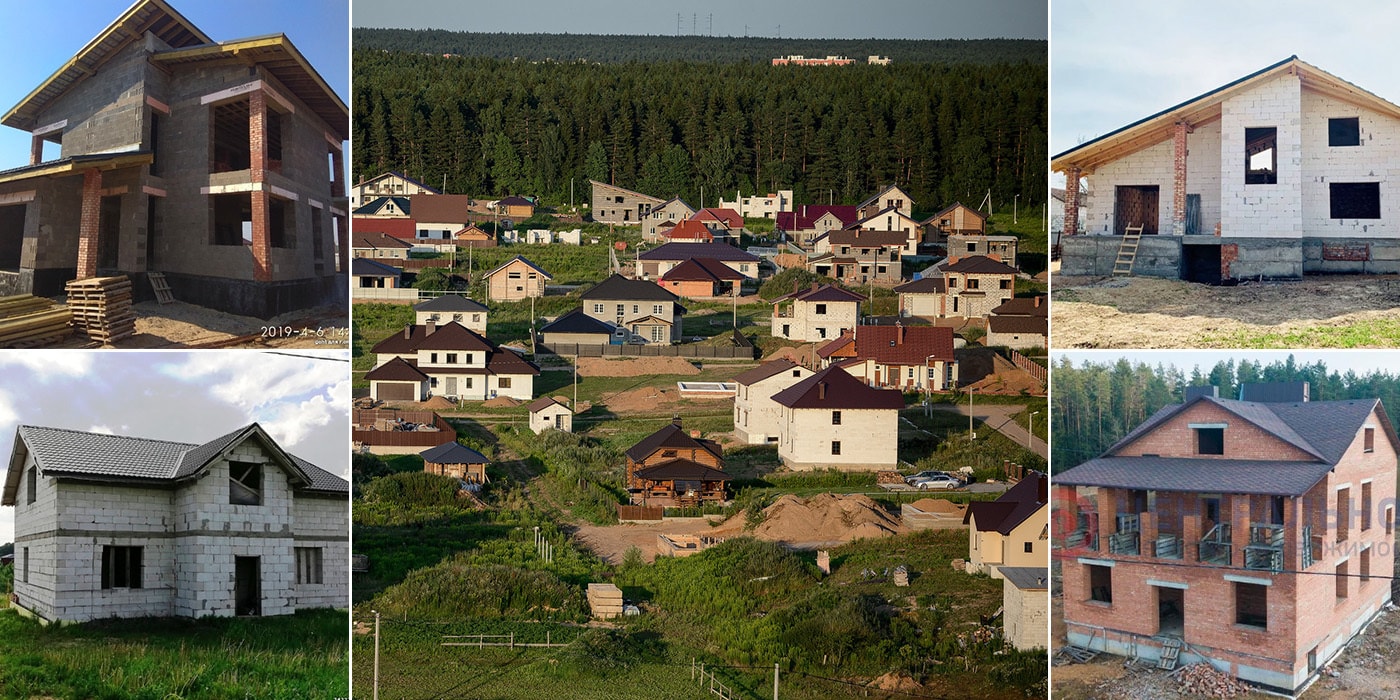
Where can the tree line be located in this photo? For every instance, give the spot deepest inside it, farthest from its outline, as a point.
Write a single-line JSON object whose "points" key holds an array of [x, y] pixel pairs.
{"points": [[487, 126], [1095, 404], [593, 48]]}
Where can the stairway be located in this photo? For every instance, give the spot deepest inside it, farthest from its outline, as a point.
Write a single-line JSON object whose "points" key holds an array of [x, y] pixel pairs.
{"points": [[1127, 251], [1171, 651]]}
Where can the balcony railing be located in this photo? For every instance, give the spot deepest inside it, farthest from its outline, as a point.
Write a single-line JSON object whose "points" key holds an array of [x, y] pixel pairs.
{"points": [[1082, 539], [1215, 546], [1168, 546], [1265, 549], [1128, 539], [1312, 547]]}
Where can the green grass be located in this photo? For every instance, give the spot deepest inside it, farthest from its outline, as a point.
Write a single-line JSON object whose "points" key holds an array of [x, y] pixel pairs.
{"points": [[294, 656], [1373, 333]]}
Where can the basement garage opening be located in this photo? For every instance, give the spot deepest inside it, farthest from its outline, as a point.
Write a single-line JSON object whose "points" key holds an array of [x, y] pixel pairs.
{"points": [[11, 235], [1201, 263]]}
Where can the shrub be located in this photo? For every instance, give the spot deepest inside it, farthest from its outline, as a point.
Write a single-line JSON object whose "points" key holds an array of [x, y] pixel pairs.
{"points": [[462, 588], [412, 489]]}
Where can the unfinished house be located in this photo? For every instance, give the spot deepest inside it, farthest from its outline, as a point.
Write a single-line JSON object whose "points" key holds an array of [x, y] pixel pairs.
{"points": [[976, 285], [617, 205], [577, 327], [757, 417], [908, 358], [1256, 535], [674, 468], [1025, 604], [1023, 322], [663, 216], [1283, 172], [112, 526], [890, 197], [453, 308], [760, 206], [807, 222], [857, 256], [447, 360], [999, 248], [814, 314], [956, 219], [217, 164], [1013, 530], [516, 279], [832, 420]]}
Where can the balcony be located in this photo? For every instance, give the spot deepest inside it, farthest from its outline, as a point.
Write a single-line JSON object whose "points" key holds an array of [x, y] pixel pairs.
{"points": [[1215, 546], [1128, 539], [1265, 549], [1168, 546], [1082, 539]]}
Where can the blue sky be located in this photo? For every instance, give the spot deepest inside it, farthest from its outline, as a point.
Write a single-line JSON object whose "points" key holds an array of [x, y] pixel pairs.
{"points": [[181, 396], [40, 38], [824, 19]]}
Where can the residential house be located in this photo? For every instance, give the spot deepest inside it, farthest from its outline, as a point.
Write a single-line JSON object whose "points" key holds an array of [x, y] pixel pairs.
{"points": [[473, 236], [802, 226], [390, 184], [688, 231], [450, 360], [379, 246], [457, 461], [832, 420], [924, 297], [113, 526], [667, 214], [656, 262], [701, 277], [1019, 323], [439, 216], [617, 205], [891, 197], [858, 256], [673, 468], [893, 219], [976, 285], [958, 218], [515, 208], [644, 311], [999, 248], [757, 418], [1256, 535], [725, 224], [1276, 174], [1013, 530], [817, 313], [204, 161], [402, 228], [1025, 604], [367, 273], [384, 208], [453, 308], [516, 279], [908, 358], [546, 413], [577, 327], [760, 207]]}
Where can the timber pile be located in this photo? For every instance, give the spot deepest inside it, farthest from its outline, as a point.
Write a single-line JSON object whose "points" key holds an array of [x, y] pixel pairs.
{"points": [[27, 321], [605, 600], [101, 308], [1203, 679]]}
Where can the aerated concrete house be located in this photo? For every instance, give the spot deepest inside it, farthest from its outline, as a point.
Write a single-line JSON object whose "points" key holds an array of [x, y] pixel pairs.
{"points": [[832, 420], [205, 161], [1284, 172], [1257, 535], [113, 526]]}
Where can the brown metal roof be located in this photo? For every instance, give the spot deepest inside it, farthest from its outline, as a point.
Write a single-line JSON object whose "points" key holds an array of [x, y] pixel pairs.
{"points": [[681, 469], [671, 436], [980, 265], [834, 388], [440, 208], [898, 345], [396, 370], [765, 371]]}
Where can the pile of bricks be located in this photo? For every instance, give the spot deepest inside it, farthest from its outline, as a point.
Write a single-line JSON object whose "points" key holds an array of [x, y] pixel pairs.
{"points": [[1204, 680], [28, 321], [101, 308], [605, 600]]}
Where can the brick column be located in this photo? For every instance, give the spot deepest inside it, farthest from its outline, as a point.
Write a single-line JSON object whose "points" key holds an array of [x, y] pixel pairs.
{"points": [[1108, 516], [257, 129], [88, 224], [1191, 537], [338, 178], [1179, 132], [1147, 537], [343, 243], [1071, 226], [1239, 528], [1293, 533], [36, 150]]}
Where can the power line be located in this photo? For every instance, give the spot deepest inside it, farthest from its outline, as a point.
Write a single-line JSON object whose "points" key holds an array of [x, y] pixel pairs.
{"points": [[323, 358]]}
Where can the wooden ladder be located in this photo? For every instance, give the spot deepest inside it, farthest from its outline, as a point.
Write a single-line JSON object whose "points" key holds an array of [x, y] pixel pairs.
{"points": [[1127, 251], [1171, 651], [161, 287]]}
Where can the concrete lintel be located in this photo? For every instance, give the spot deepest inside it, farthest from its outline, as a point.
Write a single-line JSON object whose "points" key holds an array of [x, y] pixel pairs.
{"points": [[19, 197], [337, 212], [50, 128], [157, 105], [232, 189], [230, 92], [1194, 426], [154, 191], [315, 204], [1339, 487], [1097, 562], [1236, 578], [1168, 584], [109, 191], [283, 193]]}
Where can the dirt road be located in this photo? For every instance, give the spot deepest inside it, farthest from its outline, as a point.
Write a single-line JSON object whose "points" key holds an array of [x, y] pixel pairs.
{"points": [[999, 418]]}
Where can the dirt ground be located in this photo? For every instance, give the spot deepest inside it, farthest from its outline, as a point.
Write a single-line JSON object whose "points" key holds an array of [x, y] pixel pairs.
{"points": [[611, 542], [634, 366], [652, 399], [1141, 312], [182, 325]]}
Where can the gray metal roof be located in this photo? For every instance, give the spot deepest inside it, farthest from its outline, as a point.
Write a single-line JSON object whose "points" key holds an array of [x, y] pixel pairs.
{"points": [[1190, 474], [1027, 578], [450, 302]]}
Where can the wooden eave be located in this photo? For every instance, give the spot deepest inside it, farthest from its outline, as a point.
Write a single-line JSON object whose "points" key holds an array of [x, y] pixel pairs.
{"points": [[73, 166]]}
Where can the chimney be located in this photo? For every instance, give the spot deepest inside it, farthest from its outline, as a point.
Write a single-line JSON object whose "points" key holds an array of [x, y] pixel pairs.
{"points": [[695, 434], [676, 419], [821, 391], [432, 326], [814, 286], [899, 332], [1037, 302], [408, 331]]}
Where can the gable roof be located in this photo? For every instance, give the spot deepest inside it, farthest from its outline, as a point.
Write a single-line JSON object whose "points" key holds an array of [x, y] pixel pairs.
{"points": [[896, 345], [544, 402], [862, 238], [701, 270], [596, 184], [1011, 508], [527, 262], [949, 209], [515, 200], [924, 285], [396, 370], [440, 208], [453, 453], [826, 292], [401, 176], [682, 251], [671, 436], [1157, 128], [577, 321], [1026, 578], [105, 457], [834, 388], [681, 469], [448, 336], [619, 287], [374, 205], [882, 192], [980, 265], [378, 239], [806, 216], [688, 229], [726, 216], [764, 371], [367, 267], [1038, 305], [884, 212], [450, 302], [1037, 325]]}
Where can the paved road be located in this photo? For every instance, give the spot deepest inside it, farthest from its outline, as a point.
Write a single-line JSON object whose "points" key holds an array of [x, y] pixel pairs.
{"points": [[998, 418]]}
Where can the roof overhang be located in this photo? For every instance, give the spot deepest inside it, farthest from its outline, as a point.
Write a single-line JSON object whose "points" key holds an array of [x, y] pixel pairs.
{"points": [[1205, 109], [76, 165]]}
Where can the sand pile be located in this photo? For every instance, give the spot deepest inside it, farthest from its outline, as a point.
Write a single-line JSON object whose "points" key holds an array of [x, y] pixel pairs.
{"points": [[634, 366], [940, 506], [897, 682], [438, 403], [501, 402], [823, 519]]}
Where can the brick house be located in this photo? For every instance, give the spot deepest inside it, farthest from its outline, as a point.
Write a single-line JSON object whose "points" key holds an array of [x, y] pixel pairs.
{"points": [[701, 277], [645, 312], [673, 468], [439, 216], [757, 418], [453, 308], [923, 297], [578, 327], [688, 231], [816, 313], [458, 461], [891, 197], [1013, 530], [725, 224], [1277, 174], [618, 205], [656, 262], [390, 184], [832, 420], [667, 214], [516, 279], [893, 219], [113, 526], [976, 285], [760, 206], [447, 360], [1025, 601], [380, 246], [1019, 323], [548, 414], [856, 255], [999, 248], [908, 358], [1249, 530], [807, 222], [204, 161]]}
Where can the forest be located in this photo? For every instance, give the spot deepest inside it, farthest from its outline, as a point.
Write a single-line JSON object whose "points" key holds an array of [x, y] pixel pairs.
{"points": [[1095, 404], [567, 48], [491, 127]]}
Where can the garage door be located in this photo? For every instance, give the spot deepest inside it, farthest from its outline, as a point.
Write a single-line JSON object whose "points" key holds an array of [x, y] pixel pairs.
{"points": [[395, 391]]}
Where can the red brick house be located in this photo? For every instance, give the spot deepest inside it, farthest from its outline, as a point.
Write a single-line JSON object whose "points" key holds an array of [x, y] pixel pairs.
{"points": [[1247, 531], [909, 358], [673, 468], [700, 277]]}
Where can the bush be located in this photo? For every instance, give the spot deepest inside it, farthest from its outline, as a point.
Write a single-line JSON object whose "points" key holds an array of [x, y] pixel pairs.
{"points": [[463, 588], [601, 651], [413, 489], [783, 282]]}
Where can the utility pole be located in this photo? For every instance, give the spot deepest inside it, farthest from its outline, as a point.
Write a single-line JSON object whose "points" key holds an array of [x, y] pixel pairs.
{"points": [[775, 680], [970, 434], [735, 294], [376, 654], [1016, 200], [574, 407]]}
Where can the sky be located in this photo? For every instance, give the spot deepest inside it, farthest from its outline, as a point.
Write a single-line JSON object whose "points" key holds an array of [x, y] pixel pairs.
{"points": [[51, 36], [181, 396], [820, 19], [1360, 361], [1112, 64]]}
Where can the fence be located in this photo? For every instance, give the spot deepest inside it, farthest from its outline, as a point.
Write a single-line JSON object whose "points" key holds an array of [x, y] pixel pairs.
{"points": [[1035, 369], [384, 294], [697, 351], [716, 686], [648, 513], [497, 640], [401, 438]]}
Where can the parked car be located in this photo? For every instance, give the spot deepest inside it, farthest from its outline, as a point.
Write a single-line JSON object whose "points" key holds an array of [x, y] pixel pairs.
{"points": [[925, 474], [937, 482]]}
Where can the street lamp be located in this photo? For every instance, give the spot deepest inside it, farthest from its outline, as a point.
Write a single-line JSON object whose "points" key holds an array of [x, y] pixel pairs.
{"points": [[1030, 428]]}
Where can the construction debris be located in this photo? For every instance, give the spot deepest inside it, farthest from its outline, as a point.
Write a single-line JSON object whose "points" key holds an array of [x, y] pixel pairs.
{"points": [[28, 321], [101, 308], [1071, 654], [605, 600], [1203, 679]]}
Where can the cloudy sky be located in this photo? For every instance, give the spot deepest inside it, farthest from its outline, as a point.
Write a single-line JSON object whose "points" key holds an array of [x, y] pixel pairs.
{"points": [[1360, 361], [40, 38], [817, 19], [1112, 64], [180, 396]]}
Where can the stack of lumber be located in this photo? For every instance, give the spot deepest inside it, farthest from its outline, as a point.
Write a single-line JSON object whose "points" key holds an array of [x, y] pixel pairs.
{"points": [[101, 308], [27, 321], [605, 600]]}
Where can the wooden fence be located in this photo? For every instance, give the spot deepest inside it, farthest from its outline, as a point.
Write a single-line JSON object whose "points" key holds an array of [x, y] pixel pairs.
{"points": [[696, 351], [497, 640], [708, 680], [1035, 369], [626, 513], [401, 438]]}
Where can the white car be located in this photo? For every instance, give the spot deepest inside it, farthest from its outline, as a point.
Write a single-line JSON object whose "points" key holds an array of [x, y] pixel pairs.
{"points": [[937, 482], [925, 474]]}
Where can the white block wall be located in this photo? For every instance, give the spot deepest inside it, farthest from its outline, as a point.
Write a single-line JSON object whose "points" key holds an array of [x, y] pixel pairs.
{"points": [[757, 417], [1026, 616], [1377, 159], [806, 324], [869, 439], [1150, 166], [320, 521], [923, 305], [522, 386], [1202, 175], [1262, 211]]}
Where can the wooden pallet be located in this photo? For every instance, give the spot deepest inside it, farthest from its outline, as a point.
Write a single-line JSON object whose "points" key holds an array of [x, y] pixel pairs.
{"points": [[101, 308], [161, 287], [1171, 651], [1127, 251]]}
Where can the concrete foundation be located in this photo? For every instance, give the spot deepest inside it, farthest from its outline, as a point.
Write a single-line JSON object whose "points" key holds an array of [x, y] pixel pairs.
{"points": [[1213, 259]]}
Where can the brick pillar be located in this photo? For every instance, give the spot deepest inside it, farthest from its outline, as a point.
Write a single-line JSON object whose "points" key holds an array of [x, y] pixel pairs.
{"points": [[36, 150], [343, 243], [1179, 131], [1108, 516], [1147, 538], [257, 129], [1191, 537], [1072, 174], [1239, 528], [88, 224], [1293, 533], [338, 178]]}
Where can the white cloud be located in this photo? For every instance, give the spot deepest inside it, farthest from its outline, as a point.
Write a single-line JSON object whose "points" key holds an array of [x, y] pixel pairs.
{"points": [[255, 381], [101, 429], [49, 363]]}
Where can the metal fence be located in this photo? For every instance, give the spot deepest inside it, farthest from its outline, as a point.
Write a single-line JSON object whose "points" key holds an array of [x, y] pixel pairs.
{"points": [[696, 351]]}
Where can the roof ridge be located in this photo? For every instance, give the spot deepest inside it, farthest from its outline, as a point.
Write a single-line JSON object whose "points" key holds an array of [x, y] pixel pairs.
{"points": [[113, 435]]}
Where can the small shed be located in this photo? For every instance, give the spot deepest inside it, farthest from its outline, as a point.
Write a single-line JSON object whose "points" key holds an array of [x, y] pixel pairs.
{"points": [[1026, 606], [548, 414], [456, 460], [517, 278]]}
